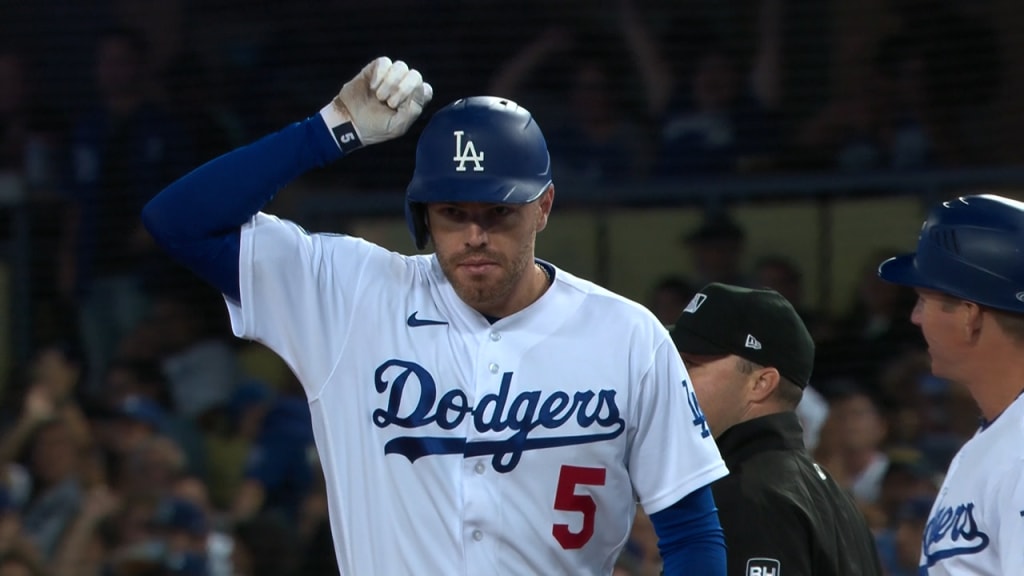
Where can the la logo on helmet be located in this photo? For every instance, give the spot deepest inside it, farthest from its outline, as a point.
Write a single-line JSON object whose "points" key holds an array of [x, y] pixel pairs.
{"points": [[467, 153]]}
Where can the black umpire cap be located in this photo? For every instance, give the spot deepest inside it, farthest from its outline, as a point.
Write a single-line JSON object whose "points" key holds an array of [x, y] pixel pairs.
{"points": [[759, 325]]}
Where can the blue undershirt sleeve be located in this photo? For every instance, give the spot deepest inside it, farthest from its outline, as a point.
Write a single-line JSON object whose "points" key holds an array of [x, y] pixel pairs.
{"points": [[197, 219], [690, 537]]}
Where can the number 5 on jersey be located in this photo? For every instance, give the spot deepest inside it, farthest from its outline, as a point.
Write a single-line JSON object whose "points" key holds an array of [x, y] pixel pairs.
{"points": [[567, 500]]}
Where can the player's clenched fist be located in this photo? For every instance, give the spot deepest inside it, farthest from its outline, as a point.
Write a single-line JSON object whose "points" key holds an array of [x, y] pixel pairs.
{"points": [[381, 102]]}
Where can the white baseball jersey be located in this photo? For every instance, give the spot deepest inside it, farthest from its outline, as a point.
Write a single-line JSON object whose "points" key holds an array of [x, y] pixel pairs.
{"points": [[454, 446], [976, 526]]}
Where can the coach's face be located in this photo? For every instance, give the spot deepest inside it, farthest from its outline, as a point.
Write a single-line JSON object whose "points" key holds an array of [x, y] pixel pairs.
{"points": [[948, 327], [487, 251]]}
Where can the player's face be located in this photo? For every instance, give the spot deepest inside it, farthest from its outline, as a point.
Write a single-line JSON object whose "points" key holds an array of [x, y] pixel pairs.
{"points": [[487, 250], [719, 387]]}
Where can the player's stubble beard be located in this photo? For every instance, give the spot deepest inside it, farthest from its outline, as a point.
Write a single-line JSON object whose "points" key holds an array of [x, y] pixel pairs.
{"points": [[491, 291]]}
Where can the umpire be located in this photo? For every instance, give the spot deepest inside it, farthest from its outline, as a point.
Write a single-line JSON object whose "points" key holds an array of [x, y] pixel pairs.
{"points": [[749, 357]]}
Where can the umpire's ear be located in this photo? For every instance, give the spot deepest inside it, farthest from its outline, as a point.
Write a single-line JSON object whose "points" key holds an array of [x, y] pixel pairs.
{"points": [[763, 383], [546, 200]]}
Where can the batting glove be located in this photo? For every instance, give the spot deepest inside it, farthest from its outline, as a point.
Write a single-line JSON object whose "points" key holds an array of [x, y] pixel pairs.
{"points": [[379, 104]]}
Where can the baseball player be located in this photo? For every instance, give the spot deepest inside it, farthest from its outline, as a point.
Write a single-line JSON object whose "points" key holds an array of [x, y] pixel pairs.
{"points": [[751, 357], [476, 410], [969, 275]]}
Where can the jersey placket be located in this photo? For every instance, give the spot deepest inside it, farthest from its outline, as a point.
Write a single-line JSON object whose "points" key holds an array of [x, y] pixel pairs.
{"points": [[482, 513]]}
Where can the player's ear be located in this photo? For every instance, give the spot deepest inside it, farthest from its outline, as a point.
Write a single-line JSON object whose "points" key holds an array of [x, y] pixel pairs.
{"points": [[544, 203]]}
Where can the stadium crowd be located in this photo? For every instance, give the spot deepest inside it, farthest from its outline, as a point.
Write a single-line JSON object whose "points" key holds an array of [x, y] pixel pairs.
{"points": [[142, 439]]}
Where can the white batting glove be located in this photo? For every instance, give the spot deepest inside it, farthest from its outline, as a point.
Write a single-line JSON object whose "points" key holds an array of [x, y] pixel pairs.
{"points": [[379, 104]]}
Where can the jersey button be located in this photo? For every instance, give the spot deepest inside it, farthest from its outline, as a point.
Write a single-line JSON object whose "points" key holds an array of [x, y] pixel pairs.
{"points": [[478, 535], [493, 368], [495, 336], [479, 468]]}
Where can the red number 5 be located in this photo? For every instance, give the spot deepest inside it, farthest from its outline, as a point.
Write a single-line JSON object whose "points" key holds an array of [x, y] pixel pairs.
{"points": [[567, 500]]}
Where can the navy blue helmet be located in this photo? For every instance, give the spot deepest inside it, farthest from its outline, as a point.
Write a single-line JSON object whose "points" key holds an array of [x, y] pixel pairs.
{"points": [[477, 149], [969, 248]]}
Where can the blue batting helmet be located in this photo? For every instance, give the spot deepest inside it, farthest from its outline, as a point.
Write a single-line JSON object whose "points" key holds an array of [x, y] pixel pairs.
{"points": [[478, 149], [969, 248]]}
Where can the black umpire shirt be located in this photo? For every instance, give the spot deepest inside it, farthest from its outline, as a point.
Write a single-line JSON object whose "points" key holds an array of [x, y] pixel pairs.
{"points": [[782, 514]]}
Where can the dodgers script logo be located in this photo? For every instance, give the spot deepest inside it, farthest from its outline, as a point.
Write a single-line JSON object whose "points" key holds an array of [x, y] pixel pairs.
{"points": [[413, 403], [952, 531]]}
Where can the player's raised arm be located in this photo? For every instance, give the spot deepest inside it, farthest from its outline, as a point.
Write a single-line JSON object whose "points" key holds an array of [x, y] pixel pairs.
{"points": [[197, 218]]}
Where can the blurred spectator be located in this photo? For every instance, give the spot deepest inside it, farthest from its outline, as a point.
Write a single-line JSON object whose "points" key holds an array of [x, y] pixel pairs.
{"points": [[185, 528], [921, 409], [201, 368], [903, 397], [122, 152], [57, 490], [150, 469], [961, 67], [851, 443], [720, 129], [641, 556], [31, 133], [33, 138], [281, 463], [85, 547], [900, 547], [137, 421], [592, 134], [219, 542], [882, 122], [319, 558], [716, 117], [908, 476], [912, 106], [140, 387], [717, 249], [875, 329], [260, 363], [669, 296], [781, 274], [229, 441], [52, 438], [19, 563], [812, 411], [193, 97], [57, 369], [13, 539]]}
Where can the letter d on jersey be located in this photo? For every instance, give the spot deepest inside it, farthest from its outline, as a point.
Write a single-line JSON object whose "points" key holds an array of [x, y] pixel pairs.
{"points": [[763, 567]]}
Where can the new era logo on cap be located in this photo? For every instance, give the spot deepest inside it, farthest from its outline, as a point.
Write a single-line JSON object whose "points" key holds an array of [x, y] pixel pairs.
{"points": [[759, 325], [695, 303], [752, 343]]}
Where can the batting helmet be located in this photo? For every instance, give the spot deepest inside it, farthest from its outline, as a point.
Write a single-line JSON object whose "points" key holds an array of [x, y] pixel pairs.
{"points": [[478, 149], [969, 248]]}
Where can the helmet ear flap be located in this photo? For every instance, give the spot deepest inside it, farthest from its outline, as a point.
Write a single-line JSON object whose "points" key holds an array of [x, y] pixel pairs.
{"points": [[416, 220]]}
